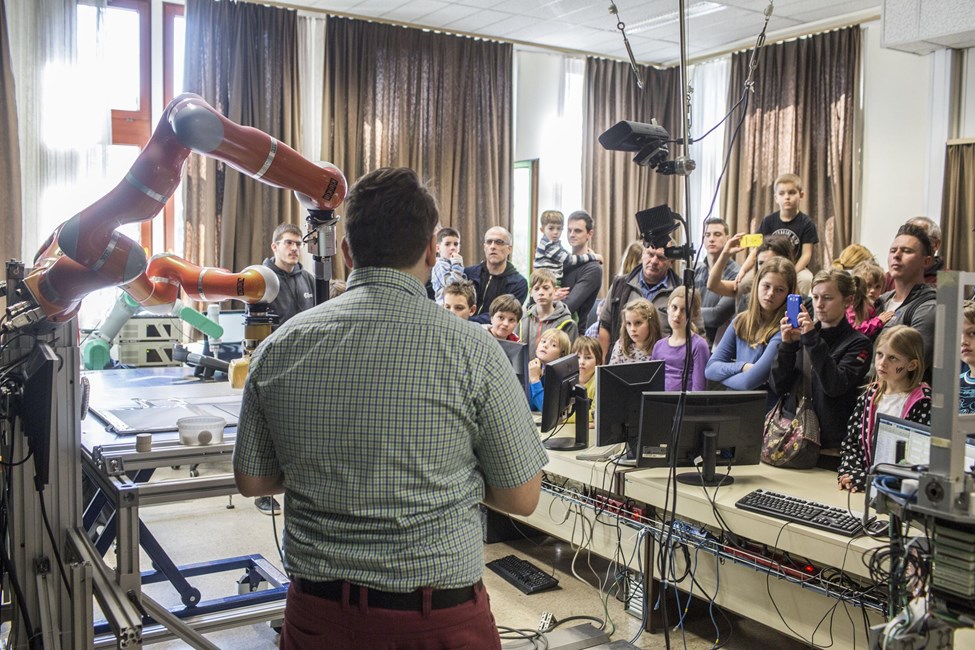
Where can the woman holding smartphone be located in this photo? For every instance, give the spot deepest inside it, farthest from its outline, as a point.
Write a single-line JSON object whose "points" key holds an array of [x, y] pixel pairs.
{"points": [[839, 357]]}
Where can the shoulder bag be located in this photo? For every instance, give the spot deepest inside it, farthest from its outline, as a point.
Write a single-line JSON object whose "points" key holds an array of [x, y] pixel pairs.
{"points": [[791, 437]]}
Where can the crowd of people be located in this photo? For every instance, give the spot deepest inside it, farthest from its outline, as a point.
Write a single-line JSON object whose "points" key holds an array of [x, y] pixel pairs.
{"points": [[865, 333], [852, 327]]}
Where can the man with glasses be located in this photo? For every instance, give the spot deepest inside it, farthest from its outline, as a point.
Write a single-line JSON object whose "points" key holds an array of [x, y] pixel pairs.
{"points": [[297, 286], [296, 293], [495, 276]]}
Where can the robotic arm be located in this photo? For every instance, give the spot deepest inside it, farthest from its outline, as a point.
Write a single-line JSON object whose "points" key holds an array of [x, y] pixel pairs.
{"points": [[86, 252], [157, 291]]}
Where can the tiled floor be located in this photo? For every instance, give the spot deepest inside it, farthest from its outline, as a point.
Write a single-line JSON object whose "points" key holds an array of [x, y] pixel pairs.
{"points": [[206, 529]]}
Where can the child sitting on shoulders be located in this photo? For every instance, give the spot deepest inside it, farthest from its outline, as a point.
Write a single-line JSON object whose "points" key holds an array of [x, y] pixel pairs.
{"points": [[549, 254], [505, 314], [589, 352], [862, 314], [460, 299], [897, 390], [552, 345], [639, 332], [546, 313], [671, 350], [966, 389], [449, 267]]}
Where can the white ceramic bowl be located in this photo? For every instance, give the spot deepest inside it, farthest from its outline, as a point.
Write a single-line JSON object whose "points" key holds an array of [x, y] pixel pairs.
{"points": [[201, 430]]}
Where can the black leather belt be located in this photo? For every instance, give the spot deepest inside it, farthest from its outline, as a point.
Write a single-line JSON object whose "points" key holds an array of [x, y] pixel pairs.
{"points": [[412, 601]]}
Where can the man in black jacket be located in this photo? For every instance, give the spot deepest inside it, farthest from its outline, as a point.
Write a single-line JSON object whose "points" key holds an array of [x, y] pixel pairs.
{"points": [[296, 292], [495, 276]]}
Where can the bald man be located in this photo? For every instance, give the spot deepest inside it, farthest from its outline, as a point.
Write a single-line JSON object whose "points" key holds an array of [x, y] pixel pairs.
{"points": [[496, 275]]}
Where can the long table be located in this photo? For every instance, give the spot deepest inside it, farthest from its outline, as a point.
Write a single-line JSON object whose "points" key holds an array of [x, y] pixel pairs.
{"points": [[793, 604]]}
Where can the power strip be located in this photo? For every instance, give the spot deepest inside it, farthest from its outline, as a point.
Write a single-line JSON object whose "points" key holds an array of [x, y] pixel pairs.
{"points": [[576, 638]]}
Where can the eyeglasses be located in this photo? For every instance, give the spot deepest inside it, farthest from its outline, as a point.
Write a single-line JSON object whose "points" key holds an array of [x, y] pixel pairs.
{"points": [[289, 243], [496, 242]]}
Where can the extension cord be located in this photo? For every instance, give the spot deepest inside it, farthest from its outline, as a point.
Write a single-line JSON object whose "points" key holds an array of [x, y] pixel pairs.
{"points": [[576, 638]]}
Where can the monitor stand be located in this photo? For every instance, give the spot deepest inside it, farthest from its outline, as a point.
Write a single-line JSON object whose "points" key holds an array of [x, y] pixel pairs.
{"points": [[581, 411], [706, 477]]}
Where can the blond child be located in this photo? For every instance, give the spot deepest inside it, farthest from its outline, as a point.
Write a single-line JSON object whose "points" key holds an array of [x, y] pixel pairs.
{"points": [[898, 389], [639, 332], [966, 388], [549, 254], [743, 359], [589, 352], [460, 299], [505, 314], [862, 314], [449, 267], [789, 220], [671, 350], [552, 345], [545, 313]]}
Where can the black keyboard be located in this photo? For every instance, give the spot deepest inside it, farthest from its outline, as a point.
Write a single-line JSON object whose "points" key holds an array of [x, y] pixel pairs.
{"points": [[522, 574], [808, 513]]}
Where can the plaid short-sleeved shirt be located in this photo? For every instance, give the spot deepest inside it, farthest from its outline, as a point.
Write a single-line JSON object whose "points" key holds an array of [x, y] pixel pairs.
{"points": [[386, 415]]}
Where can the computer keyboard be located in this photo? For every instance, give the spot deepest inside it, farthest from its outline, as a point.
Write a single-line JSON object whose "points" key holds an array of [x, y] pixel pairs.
{"points": [[522, 574], [807, 513]]}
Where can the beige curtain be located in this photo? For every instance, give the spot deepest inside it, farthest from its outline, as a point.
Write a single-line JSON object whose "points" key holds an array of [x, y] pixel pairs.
{"points": [[800, 119], [958, 207], [10, 217], [614, 188], [437, 103], [242, 59]]}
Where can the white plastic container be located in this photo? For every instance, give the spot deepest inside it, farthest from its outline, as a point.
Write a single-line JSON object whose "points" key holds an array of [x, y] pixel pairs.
{"points": [[201, 430]]}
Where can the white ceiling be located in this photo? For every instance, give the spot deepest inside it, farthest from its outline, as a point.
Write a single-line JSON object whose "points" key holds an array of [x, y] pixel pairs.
{"points": [[588, 26]]}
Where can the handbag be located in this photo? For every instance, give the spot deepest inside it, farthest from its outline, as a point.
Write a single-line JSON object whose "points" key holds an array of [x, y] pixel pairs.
{"points": [[791, 439]]}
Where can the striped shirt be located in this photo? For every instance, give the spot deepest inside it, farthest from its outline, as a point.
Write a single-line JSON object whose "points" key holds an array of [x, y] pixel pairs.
{"points": [[386, 415]]}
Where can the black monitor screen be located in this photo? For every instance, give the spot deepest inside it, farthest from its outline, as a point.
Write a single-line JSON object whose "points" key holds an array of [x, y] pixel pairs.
{"points": [[558, 381], [735, 418], [619, 393], [518, 356]]}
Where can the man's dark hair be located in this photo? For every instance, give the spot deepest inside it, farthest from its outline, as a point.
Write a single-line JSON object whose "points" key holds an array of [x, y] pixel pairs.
{"points": [[389, 218], [582, 215], [918, 233], [446, 232], [718, 221], [286, 229]]}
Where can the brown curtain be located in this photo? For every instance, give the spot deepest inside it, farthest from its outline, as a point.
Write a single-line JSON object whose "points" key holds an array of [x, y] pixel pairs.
{"points": [[10, 217], [242, 59], [439, 104], [800, 119], [614, 188], [958, 207]]}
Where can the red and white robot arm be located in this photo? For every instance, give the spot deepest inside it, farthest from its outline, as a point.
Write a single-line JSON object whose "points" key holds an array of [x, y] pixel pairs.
{"points": [[87, 252]]}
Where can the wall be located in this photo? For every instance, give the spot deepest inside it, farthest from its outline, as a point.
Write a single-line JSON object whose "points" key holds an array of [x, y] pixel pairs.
{"points": [[895, 141]]}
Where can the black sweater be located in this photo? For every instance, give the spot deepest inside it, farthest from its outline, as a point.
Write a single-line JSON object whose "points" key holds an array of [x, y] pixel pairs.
{"points": [[840, 360]]}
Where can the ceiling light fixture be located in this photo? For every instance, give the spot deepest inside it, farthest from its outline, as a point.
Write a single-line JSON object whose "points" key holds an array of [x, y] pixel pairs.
{"points": [[696, 10]]}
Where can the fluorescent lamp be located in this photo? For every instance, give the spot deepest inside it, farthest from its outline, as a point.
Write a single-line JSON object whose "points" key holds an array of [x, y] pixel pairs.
{"points": [[696, 10]]}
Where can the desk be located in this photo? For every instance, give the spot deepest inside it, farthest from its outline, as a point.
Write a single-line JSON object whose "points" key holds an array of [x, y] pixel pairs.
{"points": [[745, 590], [122, 478]]}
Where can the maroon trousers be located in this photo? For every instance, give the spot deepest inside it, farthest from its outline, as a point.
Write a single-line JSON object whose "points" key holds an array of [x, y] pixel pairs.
{"points": [[313, 623]]}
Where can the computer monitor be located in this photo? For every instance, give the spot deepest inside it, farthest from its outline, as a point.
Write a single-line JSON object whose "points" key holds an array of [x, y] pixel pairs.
{"points": [[720, 427], [619, 394], [901, 441], [562, 390], [518, 356]]}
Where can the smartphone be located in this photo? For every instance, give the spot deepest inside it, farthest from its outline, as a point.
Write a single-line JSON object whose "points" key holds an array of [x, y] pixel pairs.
{"points": [[751, 241], [792, 304]]}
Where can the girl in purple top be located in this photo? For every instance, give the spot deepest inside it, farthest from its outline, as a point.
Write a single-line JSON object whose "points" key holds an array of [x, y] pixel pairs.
{"points": [[671, 350]]}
